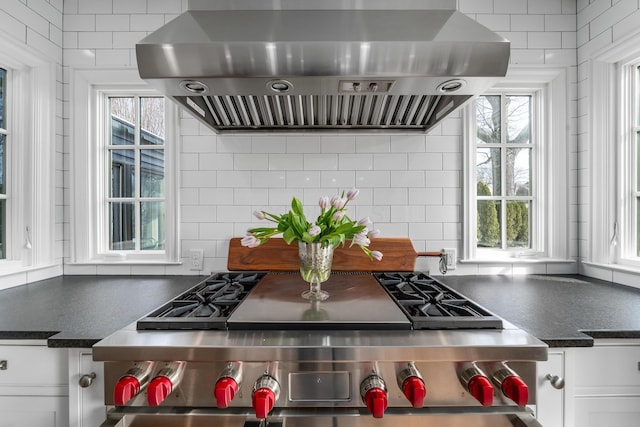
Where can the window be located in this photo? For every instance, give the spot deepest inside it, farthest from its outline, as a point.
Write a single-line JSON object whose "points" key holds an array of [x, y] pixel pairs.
{"points": [[124, 185], [516, 179], [135, 200], [504, 156], [3, 163]]}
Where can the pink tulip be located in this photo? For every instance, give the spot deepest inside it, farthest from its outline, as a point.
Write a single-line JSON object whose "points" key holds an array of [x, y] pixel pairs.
{"points": [[377, 255], [361, 239], [373, 233], [250, 241], [259, 214], [366, 221], [314, 230], [338, 216], [338, 202], [324, 202], [353, 194]]}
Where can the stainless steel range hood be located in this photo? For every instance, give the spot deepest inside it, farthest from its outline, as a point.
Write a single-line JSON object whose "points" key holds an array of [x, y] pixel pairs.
{"points": [[336, 70]]}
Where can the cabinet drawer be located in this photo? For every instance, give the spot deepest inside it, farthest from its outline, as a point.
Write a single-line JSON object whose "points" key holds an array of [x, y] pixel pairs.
{"points": [[608, 366], [32, 365]]}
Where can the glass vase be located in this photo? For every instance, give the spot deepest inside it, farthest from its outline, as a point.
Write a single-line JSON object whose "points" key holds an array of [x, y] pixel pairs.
{"points": [[315, 268]]}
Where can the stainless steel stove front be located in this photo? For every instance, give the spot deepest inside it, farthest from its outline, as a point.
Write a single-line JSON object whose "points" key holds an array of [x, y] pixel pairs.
{"points": [[319, 378]]}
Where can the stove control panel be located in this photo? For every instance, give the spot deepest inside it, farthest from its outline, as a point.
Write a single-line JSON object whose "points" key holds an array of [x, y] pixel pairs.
{"points": [[377, 386]]}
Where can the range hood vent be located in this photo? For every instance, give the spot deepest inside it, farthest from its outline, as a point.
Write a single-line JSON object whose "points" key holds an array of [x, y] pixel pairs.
{"points": [[344, 70]]}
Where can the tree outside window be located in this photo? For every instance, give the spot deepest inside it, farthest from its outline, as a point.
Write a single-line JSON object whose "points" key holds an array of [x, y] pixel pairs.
{"points": [[504, 155]]}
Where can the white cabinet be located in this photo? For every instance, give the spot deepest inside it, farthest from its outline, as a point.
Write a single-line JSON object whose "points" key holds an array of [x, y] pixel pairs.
{"points": [[86, 389], [605, 386], [550, 390], [33, 385], [602, 386]]}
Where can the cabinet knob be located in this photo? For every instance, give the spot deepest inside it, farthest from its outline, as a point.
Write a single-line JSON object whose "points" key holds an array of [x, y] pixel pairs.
{"points": [[87, 379], [556, 381], [3, 365]]}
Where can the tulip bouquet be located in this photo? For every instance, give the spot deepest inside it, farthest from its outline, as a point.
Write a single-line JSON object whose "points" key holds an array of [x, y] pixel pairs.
{"points": [[332, 227]]}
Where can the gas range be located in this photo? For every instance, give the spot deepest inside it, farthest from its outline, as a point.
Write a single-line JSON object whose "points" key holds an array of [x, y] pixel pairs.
{"points": [[261, 300], [243, 349]]}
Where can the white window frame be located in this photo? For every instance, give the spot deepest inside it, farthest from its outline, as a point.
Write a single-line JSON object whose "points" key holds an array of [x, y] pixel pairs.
{"points": [[549, 217], [91, 174], [31, 178]]}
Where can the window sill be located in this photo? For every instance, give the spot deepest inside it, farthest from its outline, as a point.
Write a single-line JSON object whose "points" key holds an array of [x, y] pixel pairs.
{"points": [[615, 273], [112, 261], [517, 260]]}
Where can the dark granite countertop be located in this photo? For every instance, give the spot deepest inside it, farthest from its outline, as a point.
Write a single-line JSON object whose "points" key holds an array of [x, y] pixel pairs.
{"points": [[562, 311], [78, 311]]}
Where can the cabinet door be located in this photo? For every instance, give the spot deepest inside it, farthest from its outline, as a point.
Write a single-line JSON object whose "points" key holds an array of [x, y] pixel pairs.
{"points": [[550, 400], [86, 403], [618, 411], [33, 411]]}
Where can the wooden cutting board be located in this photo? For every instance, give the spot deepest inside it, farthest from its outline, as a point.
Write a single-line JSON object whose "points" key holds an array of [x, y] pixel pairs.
{"points": [[276, 255]]}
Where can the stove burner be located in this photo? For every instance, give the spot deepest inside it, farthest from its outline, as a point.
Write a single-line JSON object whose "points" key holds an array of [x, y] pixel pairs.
{"points": [[205, 306], [432, 305]]}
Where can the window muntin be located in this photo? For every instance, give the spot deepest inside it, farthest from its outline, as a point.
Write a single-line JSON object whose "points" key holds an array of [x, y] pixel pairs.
{"points": [[136, 153], [3, 164], [636, 139], [504, 172]]}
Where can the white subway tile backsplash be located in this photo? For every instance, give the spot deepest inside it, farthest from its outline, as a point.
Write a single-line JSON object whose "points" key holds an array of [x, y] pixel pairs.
{"points": [[79, 57], [510, 6], [303, 144], [545, 40], [428, 231], [373, 179], [443, 214], [412, 214], [225, 161], [164, 6], [198, 144], [425, 196], [268, 179], [475, 6], [127, 39], [338, 144], [112, 23], [268, 144], [425, 161], [146, 22], [234, 213], [243, 196], [195, 179], [218, 196], [527, 22], [129, 6], [303, 179], [527, 56], [560, 22], [355, 162], [95, 39], [321, 162], [407, 179], [113, 57], [23, 13], [337, 179], [390, 161], [373, 144], [202, 214], [95, 6], [391, 196], [407, 143], [13, 27], [444, 179]]}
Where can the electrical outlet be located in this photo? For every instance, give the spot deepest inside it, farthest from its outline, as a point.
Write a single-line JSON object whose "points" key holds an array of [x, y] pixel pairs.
{"points": [[196, 257], [452, 258]]}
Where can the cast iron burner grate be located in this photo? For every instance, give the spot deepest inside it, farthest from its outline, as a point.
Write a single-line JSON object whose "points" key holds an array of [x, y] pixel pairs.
{"points": [[430, 304], [205, 306]]}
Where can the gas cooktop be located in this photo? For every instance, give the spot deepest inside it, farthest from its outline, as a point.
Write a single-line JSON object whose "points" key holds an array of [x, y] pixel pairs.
{"points": [[358, 301]]}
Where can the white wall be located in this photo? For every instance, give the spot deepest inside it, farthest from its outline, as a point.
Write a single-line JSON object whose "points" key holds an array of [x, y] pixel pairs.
{"points": [[601, 24], [410, 185], [35, 27]]}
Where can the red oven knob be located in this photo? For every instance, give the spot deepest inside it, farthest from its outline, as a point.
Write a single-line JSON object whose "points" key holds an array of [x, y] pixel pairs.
{"points": [[265, 393], [511, 384], [515, 389], [374, 394], [129, 385], [477, 383], [159, 389], [126, 388], [480, 387], [415, 391], [225, 390], [165, 380]]}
